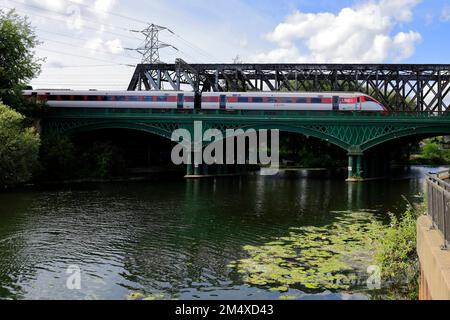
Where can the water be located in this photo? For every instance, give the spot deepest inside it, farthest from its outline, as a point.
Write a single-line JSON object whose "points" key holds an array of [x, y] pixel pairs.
{"points": [[169, 237]]}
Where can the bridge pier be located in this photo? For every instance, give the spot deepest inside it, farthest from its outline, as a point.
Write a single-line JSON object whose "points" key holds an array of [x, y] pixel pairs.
{"points": [[366, 167], [356, 163]]}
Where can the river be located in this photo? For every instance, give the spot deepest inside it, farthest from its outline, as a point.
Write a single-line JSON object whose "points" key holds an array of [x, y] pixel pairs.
{"points": [[172, 239]]}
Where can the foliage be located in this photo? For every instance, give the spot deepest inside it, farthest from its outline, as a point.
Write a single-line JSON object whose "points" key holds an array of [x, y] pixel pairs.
{"points": [[141, 296], [101, 160], [311, 153], [18, 64], [314, 258], [62, 160], [57, 158], [398, 258], [432, 152], [19, 148]]}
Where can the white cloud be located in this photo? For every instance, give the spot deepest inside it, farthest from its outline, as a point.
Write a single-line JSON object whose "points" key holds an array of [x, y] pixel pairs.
{"points": [[97, 45], [102, 7], [362, 33], [114, 46], [445, 16]]}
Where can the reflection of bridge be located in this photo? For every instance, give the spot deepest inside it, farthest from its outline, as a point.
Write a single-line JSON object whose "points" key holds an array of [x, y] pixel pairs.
{"points": [[357, 133]]}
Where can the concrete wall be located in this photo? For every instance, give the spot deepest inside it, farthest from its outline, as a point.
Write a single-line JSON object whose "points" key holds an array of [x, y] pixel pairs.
{"points": [[434, 262]]}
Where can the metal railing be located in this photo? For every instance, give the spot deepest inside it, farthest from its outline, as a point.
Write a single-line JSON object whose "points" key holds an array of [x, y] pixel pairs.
{"points": [[137, 112], [438, 191]]}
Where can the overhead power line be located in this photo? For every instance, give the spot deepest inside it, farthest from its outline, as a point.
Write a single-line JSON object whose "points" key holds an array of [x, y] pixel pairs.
{"points": [[63, 18]]}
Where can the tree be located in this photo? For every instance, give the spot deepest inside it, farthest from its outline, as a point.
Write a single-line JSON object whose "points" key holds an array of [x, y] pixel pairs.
{"points": [[57, 158], [18, 62], [19, 148]]}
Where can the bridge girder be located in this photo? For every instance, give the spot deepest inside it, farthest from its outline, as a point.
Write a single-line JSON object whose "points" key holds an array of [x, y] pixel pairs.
{"points": [[356, 133], [401, 87]]}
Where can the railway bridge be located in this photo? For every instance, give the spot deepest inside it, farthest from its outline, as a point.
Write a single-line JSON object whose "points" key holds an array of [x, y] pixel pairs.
{"points": [[417, 95]]}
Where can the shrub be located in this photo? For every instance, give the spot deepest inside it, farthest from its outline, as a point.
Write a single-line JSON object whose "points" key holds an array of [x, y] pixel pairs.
{"points": [[19, 148], [398, 258], [57, 158]]}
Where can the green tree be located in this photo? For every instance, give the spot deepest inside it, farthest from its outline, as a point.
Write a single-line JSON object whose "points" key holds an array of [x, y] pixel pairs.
{"points": [[18, 62], [57, 158], [19, 148]]}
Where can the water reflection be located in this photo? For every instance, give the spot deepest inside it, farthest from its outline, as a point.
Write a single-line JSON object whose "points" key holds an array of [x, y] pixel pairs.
{"points": [[174, 237]]}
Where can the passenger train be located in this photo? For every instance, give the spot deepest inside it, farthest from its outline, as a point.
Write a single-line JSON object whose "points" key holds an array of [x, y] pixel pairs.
{"points": [[283, 101]]}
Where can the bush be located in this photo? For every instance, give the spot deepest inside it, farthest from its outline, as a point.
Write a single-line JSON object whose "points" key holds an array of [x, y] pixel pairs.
{"points": [[102, 161], [398, 258], [19, 149], [57, 158], [432, 153]]}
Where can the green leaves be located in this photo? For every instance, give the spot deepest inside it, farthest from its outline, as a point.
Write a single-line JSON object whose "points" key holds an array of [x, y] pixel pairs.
{"points": [[18, 64], [397, 255], [19, 148], [314, 258]]}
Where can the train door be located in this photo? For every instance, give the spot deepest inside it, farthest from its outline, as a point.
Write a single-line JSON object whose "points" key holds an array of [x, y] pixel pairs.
{"points": [[358, 104], [180, 101], [336, 101], [223, 102]]}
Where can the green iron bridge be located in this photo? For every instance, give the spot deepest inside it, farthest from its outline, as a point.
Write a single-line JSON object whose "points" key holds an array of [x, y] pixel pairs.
{"points": [[417, 95], [359, 134]]}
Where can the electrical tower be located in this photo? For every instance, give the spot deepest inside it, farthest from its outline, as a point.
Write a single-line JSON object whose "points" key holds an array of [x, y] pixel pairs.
{"points": [[150, 49]]}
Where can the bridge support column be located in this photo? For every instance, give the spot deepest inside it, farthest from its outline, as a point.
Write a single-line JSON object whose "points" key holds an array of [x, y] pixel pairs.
{"points": [[351, 167], [356, 167]]}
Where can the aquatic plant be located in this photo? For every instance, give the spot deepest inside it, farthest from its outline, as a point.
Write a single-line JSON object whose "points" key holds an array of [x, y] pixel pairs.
{"points": [[141, 296], [314, 258]]}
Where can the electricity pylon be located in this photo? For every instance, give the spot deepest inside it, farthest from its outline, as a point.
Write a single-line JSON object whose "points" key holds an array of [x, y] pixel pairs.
{"points": [[150, 50]]}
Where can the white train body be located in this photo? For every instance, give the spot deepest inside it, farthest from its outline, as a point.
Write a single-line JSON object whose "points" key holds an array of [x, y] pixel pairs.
{"points": [[283, 101], [331, 101], [115, 99]]}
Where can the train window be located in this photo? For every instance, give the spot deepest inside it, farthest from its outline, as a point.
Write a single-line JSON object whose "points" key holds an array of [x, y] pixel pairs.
{"points": [[257, 99], [243, 100], [272, 100], [301, 100], [161, 99], [316, 100]]}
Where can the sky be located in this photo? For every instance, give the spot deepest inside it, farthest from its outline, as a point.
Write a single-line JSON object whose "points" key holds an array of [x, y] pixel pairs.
{"points": [[86, 42]]}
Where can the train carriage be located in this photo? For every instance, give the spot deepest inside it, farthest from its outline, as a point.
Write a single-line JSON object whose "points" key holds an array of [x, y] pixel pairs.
{"points": [[114, 99], [330, 101], [283, 101]]}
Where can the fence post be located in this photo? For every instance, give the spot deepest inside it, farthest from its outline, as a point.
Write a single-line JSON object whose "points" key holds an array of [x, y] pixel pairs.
{"points": [[444, 221]]}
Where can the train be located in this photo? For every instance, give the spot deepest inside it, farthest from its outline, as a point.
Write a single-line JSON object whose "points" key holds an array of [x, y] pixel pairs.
{"points": [[272, 101]]}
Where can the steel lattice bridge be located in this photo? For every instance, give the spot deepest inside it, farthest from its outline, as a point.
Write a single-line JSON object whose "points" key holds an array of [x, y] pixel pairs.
{"points": [[420, 88], [420, 94]]}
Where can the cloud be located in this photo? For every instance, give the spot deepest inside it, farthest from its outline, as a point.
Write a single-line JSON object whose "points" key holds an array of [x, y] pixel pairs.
{"points": [[102, 7], [362, 33], [99, 45], [445, 16]]}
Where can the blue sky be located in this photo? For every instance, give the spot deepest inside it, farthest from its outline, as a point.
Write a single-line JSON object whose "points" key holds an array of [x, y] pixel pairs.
{"points": [[85, 40]]}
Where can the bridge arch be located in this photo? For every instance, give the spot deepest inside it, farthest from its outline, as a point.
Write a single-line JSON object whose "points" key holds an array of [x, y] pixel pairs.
{"points": [[298, 130], [143, 127], [428, 131]]}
